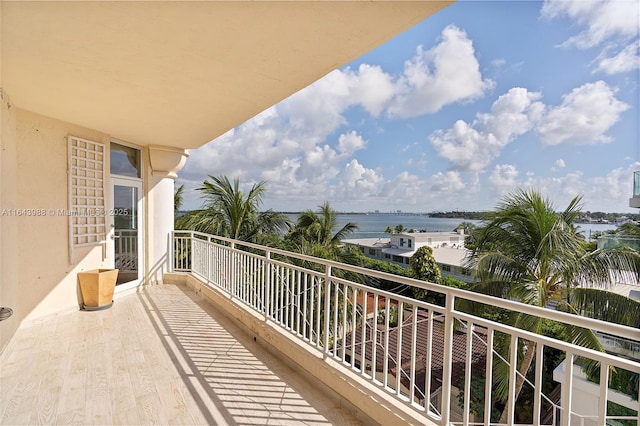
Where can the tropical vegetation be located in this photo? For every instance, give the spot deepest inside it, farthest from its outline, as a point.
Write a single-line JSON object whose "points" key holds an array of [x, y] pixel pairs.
{"points": [[227, 211], [529, 252]]}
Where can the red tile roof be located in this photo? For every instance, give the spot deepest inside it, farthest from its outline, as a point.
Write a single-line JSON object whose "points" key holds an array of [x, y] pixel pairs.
{"points": [[459, 352]]}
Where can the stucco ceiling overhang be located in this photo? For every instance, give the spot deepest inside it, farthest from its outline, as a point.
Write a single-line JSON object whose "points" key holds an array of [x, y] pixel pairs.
{"points": [[182, 73]]}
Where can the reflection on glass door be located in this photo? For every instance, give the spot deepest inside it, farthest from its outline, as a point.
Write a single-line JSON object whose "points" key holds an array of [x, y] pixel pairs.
{"points": [[125, 232]]}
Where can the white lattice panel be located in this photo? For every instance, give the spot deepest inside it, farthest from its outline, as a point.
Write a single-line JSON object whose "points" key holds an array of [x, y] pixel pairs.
{"points": [[87, 207]]}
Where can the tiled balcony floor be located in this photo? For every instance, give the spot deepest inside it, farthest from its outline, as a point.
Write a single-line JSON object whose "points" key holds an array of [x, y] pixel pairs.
{"points": [[161, 356]]}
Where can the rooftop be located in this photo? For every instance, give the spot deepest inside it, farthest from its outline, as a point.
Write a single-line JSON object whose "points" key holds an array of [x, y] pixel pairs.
{"points": [[160, 356], [456, 256]]}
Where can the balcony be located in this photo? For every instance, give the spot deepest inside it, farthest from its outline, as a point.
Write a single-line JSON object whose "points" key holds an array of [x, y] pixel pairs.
{"points": [[635, 200], [255, 335], [159, 356]]}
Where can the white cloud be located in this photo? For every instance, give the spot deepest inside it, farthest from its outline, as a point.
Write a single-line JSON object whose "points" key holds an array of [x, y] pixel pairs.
{"points": [[504, 177], [613, 24], [356, 182], [608, 192], [584, 116], [627, 59], [558, 165], [473, 146], [373, 88], [444, 74], [603, 19], [350, 143], [612, 190], [449, 181]]}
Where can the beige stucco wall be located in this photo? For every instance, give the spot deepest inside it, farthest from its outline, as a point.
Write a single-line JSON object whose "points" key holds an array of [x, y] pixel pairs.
{"points": [[48, 282], [9, 276], [38, 279]]}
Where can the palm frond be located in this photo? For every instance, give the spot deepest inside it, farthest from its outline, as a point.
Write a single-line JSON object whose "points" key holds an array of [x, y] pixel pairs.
{"points": [[606, 306]]}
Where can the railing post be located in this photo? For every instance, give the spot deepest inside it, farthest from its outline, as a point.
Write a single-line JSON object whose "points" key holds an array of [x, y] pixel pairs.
{"points": [[446, 362], [602, 400], [266, 290], [567, 389], [192, 252], [233, 270], [327, 308], [171, 250], [210, 259]]}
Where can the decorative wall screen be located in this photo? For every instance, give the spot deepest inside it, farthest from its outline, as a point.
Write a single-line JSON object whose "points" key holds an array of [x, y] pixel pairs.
{"points": [[87, 209]]}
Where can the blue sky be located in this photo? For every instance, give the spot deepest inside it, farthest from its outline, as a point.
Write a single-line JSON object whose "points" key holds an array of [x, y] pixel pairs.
{"points": [[474, 102]]}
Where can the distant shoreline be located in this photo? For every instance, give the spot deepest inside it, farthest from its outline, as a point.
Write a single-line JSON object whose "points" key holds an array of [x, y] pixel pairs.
{"points": [[594, 218]]}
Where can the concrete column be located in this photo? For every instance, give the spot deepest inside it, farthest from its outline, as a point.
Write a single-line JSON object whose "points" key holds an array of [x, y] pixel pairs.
{"points": [[165, 162]]}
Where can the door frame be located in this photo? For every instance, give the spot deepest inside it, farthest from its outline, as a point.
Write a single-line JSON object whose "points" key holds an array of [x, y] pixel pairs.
{"points": [[117, 180]]}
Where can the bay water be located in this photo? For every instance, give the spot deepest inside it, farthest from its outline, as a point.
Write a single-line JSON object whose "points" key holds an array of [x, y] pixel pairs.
{"points": [[374, 225]]}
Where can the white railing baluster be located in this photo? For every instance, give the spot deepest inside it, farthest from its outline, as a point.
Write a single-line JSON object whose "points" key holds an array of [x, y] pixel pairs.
{"points": [[445, 410], [567, 389], [363, 339], [318, 329], [335, 303], [385, 368], [602, 400], [354, 326], [297, 304], [286, 299], [308, 294], [412, 354], [400, 308], [467, 374], [428, 361], [374, 338], [281, 282], [513, 372], [268, 275], [537, 381], [345, 296], [327, 309], [488, 385]]}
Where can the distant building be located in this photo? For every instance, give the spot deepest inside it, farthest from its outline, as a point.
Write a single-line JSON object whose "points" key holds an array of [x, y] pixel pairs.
{"points": [[634, 201], [448, 250]]}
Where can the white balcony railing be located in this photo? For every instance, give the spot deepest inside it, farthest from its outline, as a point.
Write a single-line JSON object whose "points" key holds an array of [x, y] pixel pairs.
{"points": [[126, 249], [422, 354]]}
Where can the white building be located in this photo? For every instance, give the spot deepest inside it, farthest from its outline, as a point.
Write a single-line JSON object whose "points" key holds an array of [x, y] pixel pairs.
{"points": [[448, 250]]}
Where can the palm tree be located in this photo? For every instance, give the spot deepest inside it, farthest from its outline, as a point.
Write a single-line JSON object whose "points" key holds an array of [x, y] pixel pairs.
{"points": [[318, 228], [529, 252], [228, 212], [177, 199]]}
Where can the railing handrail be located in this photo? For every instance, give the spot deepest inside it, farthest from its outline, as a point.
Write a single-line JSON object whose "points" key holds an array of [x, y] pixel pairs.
{"points": [[627, 332]]}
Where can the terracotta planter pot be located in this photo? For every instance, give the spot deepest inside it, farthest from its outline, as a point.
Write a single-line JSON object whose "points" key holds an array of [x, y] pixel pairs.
{"points": [[97, 286]]}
